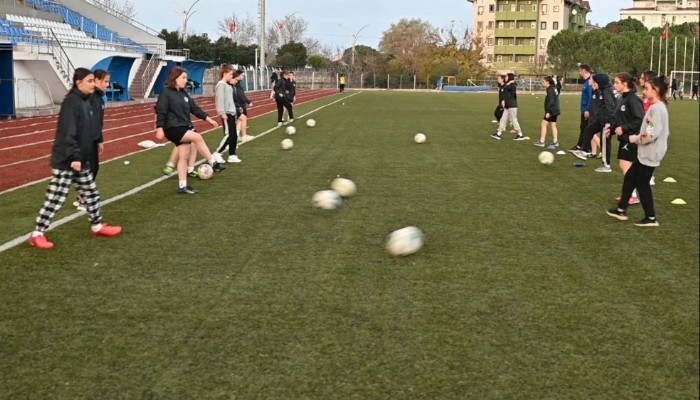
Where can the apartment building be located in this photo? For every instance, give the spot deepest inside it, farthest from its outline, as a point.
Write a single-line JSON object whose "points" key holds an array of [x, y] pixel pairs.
{"points": [[656, 13], [515, 33]]}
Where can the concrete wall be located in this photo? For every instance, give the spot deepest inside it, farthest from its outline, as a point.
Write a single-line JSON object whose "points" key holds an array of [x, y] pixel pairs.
{"points": [[46, 87]]}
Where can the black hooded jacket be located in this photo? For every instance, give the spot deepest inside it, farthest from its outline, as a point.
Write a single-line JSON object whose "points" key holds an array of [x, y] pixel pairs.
{"points": [[629, 115], [551, 102], [75, 133], [510, 95], [174, 107], [98, 107], [603, 103]]}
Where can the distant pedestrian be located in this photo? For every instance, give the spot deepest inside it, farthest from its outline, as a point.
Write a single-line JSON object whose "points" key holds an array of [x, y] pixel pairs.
{"points": [[695, 91], [510, 104], [341, 83]]}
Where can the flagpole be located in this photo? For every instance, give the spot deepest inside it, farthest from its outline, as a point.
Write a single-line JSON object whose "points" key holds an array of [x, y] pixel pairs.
{"points": [[685, 52], [651, 58], [666, 67], [675, 45], [692, 67], [661, 42]]}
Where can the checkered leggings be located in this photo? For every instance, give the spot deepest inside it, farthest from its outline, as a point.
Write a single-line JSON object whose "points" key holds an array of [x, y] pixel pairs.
{"points": [[57, 193]]}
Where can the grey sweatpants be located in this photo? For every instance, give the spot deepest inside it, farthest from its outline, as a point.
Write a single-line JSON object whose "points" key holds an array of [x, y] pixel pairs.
{"points": [[511, 113]]}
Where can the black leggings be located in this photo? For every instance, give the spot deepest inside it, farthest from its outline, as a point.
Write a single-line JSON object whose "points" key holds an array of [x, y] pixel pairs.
{"points": [[585, 145], [94, 161], [283, 103], [592, 129], [638, 177], [230, 139]]}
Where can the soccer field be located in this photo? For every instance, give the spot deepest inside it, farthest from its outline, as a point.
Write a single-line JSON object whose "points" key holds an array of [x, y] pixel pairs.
{"points": [[525, 288]]}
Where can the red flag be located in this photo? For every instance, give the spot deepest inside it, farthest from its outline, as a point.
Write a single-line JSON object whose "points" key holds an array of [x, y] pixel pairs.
{"points": [[664, 34], [280, 26], [232, 27]]}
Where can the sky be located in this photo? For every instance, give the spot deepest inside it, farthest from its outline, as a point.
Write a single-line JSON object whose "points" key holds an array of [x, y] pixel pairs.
{"points": [[333, 22]]}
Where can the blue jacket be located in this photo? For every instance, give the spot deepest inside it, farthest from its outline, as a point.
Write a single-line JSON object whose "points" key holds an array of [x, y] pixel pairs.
{"points": [[586, 94]]}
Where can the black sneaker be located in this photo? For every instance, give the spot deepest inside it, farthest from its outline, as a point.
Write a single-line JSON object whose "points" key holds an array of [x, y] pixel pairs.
{"points": [[616, 213], [193, 174], [496, 136], [648, 222], [575, 148], [187, 190], [519, 138], [217, 167]]}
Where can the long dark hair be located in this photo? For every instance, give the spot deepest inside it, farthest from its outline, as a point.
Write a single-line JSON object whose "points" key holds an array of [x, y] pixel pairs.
{"points": [[511, 77], [173, 75], [549, 80], [660, 84], [80, 74], [100, 74], [627, 79]]}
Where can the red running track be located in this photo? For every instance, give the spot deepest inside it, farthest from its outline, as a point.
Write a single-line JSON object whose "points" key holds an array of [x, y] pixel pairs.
{"points": [[26, 142]]}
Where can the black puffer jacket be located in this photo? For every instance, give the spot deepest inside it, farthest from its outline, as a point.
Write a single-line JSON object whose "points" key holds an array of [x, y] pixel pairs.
{"points": [[629, 115], [98, 107], [603, 103], [174, 107], [75, 133], [510, 95], [551, 102]]}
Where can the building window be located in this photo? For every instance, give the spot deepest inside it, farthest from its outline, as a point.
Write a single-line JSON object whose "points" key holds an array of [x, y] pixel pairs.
{"points": [[512, 24], [543, 43], [642, 18], [490, 25], [511, 58], [531, 59], [544, 9], [489, 58], [543, 25], [500, 24], [673, 19], [533, 25], [663, 17], [500, 41], [555, 25], [533, 42], [555, 9], [534, 7], [512, 7], [492, 8], [501, 7], [499, 59], [519, 59], [480, 10], [521, 7], [489, 41], [521, 24], [511, 41]]}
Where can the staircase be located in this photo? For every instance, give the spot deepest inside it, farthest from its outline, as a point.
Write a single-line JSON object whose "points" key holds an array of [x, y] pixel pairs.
{"points": [[144, 77]]}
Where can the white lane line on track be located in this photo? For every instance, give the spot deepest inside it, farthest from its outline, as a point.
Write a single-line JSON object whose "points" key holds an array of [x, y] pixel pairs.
{"points": [[23, 239]]}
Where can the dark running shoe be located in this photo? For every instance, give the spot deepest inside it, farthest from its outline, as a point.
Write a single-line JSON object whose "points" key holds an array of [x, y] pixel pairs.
{"points": [[496, 136], [616, 213], [217, 167], [187, 190], [519, 138], [648, 222], [193, 174]]}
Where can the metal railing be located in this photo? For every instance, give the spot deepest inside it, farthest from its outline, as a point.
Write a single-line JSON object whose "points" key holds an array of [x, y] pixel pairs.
{"points": [[149, 72], [178, 53], [124, 18], [61, 57]]}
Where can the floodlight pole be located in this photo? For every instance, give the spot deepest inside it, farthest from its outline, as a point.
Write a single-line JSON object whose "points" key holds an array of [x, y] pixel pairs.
{"points": [[354, 39], [186, 17], [261, 41]]}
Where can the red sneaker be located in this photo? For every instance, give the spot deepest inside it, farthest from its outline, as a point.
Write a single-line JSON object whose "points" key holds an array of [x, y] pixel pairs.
{"points": [[633, 200], [108, 230], [40, 242]]}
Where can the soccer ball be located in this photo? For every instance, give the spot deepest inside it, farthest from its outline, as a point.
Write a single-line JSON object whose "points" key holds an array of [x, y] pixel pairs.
{"points": [[311, 123], [291, 130], [344, 187], [326, 200], [546, 157], [287, 144], [404, 241], [420, 138], [205, 171]]}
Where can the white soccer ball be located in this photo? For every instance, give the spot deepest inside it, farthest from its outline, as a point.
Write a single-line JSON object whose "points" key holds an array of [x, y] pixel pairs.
{"points": [[546, 157], [291, 130], [287, 144], [344, 187], [326, 200], [205, 171], [405, 241], [310, 123], [420, 138]]}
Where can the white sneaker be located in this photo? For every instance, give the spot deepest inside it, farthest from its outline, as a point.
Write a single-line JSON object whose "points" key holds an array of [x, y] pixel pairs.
{"points": [[603, 168], [234, 159], [651, 181], [218, 158], [247, 138], [79, 206]]}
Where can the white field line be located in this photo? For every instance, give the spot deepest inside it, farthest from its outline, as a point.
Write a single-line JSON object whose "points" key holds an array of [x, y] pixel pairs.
{"points": [[23, 239]]}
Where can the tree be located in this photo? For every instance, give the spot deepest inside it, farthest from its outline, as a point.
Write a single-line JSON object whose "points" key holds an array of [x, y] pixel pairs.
{"points": [[124, 9], [410, 44], [200, 47], [291, 55], [172, 39], [246, 29], [362, 54], [563, 51], [317, 62], [459, 58], [626, 25]]}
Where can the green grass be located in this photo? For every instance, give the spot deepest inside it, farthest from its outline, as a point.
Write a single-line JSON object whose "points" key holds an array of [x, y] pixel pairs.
{"points": [[525, 289]]}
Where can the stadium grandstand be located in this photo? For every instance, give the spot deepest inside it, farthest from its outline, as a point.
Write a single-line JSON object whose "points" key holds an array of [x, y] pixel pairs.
{"points": [[43, 41]]}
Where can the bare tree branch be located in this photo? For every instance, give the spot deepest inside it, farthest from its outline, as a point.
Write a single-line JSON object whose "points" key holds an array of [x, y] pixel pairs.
{"points": [[246, 29]]}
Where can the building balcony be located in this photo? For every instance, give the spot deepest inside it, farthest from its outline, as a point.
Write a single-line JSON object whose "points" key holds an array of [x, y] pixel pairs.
{"points": [[515, 49], [517, 16], [516, 33]]}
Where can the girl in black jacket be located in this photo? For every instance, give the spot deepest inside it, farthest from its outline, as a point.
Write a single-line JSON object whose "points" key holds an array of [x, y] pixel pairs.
{"points": [[510, 104], [97, 102], [551, 113], [601, 112], [284, 97], [72, 151], [242, 102], [629, 115], [173, 121]]}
